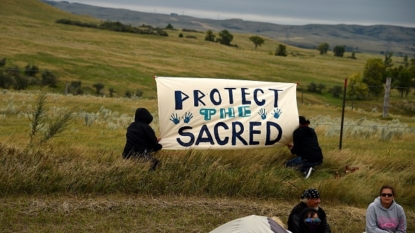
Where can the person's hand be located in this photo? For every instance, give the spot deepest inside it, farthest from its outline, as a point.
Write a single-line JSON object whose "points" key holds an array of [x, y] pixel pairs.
{"points": [[158, 139], [290, 146]]}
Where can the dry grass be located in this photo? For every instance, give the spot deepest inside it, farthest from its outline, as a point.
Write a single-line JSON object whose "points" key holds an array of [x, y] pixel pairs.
{"points": [[80, 175]]}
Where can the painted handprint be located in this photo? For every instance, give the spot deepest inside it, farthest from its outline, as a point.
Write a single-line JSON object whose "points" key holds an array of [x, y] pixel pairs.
{"points": [[187, 117], [262, 113], [175, 118], [277, 113]]}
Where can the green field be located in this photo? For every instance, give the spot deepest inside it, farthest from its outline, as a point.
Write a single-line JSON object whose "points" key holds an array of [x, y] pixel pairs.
{"points": [[77, 181]]}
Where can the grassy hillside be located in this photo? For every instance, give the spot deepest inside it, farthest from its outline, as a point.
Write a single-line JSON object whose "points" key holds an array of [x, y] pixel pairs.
{"points": [[128, 61]]}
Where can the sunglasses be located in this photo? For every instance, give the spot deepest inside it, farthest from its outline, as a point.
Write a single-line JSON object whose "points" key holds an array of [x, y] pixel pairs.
{"points": [[316, 221], [386, 194]]}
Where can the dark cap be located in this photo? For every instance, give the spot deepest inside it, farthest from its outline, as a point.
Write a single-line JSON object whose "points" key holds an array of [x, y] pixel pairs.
{"points": [[310, 193]]}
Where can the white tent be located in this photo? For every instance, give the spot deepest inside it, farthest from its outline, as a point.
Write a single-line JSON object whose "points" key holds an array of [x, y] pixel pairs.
{"points": [[251, 224]]}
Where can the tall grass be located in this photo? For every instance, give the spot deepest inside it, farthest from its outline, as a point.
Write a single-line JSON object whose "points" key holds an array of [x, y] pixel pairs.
{"points": [[85, 159]]}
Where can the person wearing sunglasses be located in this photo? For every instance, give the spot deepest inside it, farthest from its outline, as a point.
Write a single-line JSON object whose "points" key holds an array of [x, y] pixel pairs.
{"points": [[384, 214], [309, 199], [310, 221]]}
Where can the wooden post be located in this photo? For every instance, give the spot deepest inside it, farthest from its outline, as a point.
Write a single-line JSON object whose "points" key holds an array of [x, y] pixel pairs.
{"points": [[386, 98]]}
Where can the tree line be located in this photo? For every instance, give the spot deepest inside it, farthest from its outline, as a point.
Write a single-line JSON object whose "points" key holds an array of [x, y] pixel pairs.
{"points": [[117, 26], [31, 76]]}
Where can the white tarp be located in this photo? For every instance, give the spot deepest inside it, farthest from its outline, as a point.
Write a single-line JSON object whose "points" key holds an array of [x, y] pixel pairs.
{"points": [[250, 224], [205, 113]]}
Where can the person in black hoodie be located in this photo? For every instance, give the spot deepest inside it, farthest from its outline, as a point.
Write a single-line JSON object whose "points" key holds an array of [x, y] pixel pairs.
{"points": [[309, 199], [306, 147], [141, 139]]}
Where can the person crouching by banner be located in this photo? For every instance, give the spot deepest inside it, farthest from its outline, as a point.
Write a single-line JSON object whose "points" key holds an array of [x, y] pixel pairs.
{"points": [[306, 147], [141, 139]]}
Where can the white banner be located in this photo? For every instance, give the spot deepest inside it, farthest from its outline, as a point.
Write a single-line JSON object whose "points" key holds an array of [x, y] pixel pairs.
{"points": [[204, 113]]}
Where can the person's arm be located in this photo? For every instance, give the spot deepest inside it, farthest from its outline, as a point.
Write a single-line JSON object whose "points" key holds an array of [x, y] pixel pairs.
{"points": [[402, 221], [293, 223], [153, 140]]}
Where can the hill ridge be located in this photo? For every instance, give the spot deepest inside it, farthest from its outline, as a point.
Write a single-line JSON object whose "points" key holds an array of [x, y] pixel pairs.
{"points": [[373, 39]]}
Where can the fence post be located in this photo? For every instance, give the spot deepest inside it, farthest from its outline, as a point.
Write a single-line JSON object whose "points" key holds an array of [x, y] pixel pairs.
{"points": [[342, 121], [386, 98]]}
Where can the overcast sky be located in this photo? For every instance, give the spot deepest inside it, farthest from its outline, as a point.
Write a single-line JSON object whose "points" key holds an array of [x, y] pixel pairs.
{"points": [[286, 12]]}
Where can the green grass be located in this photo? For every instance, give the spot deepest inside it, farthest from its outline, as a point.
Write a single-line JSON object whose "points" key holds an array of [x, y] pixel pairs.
{"points": [[78, 171]]}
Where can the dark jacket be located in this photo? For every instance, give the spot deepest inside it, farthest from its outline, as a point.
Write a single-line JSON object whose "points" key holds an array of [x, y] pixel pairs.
{"points": [[306, 144], [141, 138], [294, 219]]}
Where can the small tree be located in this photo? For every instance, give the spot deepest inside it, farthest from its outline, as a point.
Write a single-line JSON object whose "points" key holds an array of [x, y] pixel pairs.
{"points": [[169, 26], [49, 79], [336, 91], [388, 60], [2, 62], [21, 82], [281, 50], [339, 51], [257, 40], [111, 91], [75, 88], [356, 87], [323, 48], [373, 74], [210, 36], [98, 87], [225, 37], [31, 70], [180, 35]]}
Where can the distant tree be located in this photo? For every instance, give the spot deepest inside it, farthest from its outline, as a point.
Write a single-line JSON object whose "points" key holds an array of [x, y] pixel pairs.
{"points": [[225, 37], [13, 71], [257, 40], [373, 75], [320, 88], [76, 88], [6, 80], [312, 87], [281, 50], [128, 94], [31, 70], [21, 82], [2, 62], [316, 88], [323, 48], [111, 91], [98, 87], [210, 36], [405, 60], [352, 56], [339, 51], [336, 91], [388, 60], [402, 80], [180, 35], [49, 79], [169, 26], [356, 87]]}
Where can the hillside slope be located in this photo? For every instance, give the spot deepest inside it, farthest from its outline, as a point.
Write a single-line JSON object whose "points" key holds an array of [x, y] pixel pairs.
{"points": [[373, 39]]}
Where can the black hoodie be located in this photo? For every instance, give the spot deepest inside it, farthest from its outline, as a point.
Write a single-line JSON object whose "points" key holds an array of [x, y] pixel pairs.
{"points": [[306, 144], [141, 138]]}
